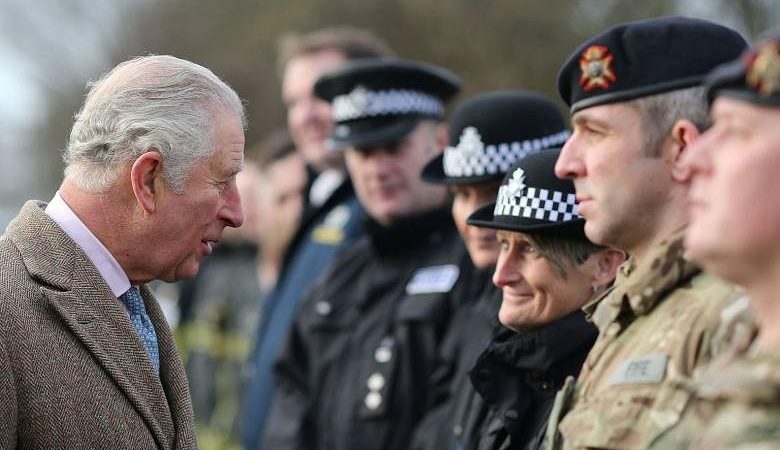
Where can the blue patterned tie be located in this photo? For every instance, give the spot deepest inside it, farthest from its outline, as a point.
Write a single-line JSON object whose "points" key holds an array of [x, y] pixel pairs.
{"points": [[143, 325]]}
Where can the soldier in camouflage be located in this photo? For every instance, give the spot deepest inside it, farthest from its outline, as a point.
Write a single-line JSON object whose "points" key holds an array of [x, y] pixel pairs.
{"points": [[637, 105], [737, 398]]}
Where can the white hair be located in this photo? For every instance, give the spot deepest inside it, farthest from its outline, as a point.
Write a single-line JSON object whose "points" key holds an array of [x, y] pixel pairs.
{"points": [[155, 102]]}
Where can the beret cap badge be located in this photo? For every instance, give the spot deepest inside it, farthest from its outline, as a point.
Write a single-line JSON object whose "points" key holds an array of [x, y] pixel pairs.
{"points": [[763, 68], [596, 67]]}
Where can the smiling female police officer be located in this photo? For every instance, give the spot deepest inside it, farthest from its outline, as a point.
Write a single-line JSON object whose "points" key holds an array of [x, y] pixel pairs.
{"points": [[547, 270], [489, 133]]}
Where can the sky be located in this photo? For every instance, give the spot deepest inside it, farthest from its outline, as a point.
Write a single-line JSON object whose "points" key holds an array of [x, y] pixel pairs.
{"points": [[42, 43]]}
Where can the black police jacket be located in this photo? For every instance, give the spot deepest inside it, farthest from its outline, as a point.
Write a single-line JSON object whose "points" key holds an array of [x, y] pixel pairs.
{"points": [[357, 368], [519, 374], [456, 420]]}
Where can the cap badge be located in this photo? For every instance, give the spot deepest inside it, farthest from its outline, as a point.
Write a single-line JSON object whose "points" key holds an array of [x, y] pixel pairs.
{"points": [[470, 142], [351, 105], [763, 69], [516, 184], [596, 67]]}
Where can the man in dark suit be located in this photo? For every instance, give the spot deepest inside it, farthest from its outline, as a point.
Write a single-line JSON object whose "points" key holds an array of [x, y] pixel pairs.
{"points": [[86, 358]]}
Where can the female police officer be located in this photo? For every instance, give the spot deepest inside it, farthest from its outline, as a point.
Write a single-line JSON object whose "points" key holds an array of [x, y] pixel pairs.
{"points": [[547, 270], [488, 134]]}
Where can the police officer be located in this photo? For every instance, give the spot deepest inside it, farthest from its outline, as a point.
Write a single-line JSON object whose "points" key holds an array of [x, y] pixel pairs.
{"points": [[637, 105], [489, 133], [355, 372], [547, 270], [733, 195], [332, 217]]}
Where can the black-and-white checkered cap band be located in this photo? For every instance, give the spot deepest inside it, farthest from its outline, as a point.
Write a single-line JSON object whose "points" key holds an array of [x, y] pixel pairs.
{"points": [[473, 158], [535, 203], [362, 103]]}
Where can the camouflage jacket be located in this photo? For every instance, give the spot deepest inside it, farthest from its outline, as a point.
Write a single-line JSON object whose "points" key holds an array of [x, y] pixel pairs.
{"points": [[656, 325], [736, 406]]}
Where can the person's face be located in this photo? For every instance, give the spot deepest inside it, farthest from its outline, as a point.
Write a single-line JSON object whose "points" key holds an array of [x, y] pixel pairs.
{"points": [[308, 117], [246, 181], [387, 177], [619, 183], [193, 221], [480, 242], [734, 203], [281, 195], [535, 292]]}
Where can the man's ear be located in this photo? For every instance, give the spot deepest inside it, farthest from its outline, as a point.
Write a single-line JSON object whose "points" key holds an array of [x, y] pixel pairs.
{"points": [[683, 134], [607, 263], [145, 176]]}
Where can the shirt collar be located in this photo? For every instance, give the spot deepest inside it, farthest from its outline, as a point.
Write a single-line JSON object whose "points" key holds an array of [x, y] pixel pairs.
{"points": [[105, 263]]}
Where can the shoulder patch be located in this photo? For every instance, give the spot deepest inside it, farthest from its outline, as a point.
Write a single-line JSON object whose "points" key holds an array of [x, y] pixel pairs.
{"points": [[641, 369], [433, 279]]}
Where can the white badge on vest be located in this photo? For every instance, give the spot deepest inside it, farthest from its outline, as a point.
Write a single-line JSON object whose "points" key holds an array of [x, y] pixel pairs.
{"points": [[433, 279], [641, 369]]}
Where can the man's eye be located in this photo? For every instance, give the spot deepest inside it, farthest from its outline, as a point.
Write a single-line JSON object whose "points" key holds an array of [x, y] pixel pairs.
{"points": [[593, 131]]}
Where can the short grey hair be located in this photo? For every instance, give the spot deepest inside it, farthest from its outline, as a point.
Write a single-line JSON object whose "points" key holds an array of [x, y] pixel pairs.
{"points": [[150, 102], [563, 252], [660, 112]]}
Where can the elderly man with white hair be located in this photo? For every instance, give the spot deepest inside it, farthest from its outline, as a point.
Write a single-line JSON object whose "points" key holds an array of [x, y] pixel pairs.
{"points": [[86, 358]]}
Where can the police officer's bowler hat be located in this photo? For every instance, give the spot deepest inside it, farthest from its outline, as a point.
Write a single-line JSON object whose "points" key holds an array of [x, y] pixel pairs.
{"points": [[532, 200], [492, 131]]}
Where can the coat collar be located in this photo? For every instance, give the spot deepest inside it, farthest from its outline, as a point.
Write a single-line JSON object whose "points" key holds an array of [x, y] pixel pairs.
{"points": [[409, 232], [638, 289], [542, 348]]}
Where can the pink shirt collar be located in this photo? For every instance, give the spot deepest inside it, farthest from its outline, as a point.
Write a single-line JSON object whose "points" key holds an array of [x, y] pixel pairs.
{"points": [[105, 263]]}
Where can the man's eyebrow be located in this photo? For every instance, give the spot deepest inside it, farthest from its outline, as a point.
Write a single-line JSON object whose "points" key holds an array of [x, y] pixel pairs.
{"points": [[580, 119]]}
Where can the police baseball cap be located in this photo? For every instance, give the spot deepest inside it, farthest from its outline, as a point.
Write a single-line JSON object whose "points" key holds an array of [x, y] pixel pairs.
{"points": [[532, 200], [754, 77], [380, 100], [490, 132], [647, 57]]}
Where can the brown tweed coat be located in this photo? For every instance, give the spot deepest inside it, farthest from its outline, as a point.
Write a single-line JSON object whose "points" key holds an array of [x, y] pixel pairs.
{"points": [[73, 372]]}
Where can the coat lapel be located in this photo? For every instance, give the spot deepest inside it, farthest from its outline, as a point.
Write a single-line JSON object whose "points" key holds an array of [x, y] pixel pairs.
{"points": [[172, 375], [86, 305]]}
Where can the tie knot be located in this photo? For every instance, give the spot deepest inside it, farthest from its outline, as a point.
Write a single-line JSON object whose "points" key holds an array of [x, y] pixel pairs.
{"points": [[133, 301]]}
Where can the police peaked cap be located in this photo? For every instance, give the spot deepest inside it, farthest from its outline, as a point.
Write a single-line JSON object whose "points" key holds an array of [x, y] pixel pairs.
{"points": [[532, 200], [642, 58], [376, 101], [490, 132], [754, 77]]}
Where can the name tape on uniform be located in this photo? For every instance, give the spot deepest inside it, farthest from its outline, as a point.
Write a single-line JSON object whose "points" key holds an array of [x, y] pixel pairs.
{"points": [[641, 369], [433, 279]]}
